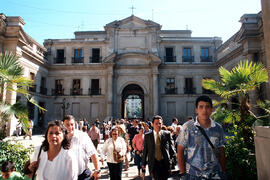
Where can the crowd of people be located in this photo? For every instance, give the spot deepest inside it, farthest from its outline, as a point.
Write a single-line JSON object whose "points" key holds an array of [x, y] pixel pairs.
{"points": [[196, 147]]}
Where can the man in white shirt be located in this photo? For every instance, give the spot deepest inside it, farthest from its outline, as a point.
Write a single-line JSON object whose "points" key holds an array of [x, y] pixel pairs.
{"points": [[82, 146], [174, 124]]}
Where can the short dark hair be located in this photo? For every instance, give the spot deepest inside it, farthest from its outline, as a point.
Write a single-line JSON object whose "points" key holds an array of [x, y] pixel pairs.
{"points": [[156, 117], [7, 166], [174, 119], [68, 117], [204, 98], [66, 141]]}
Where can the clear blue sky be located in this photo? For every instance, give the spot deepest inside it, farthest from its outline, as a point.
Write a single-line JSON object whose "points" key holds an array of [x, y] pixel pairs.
{"points": [[58, 19]]}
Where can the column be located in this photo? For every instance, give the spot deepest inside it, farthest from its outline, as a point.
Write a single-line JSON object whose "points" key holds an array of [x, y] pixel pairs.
{"points": [[155, 91], [110, 94]]}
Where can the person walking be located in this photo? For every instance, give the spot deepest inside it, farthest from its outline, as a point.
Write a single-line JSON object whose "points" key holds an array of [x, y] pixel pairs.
{"points": [[83, 148], [115, 148], [94, 134], [53, 159], [158, 151], [137, 144], [202, 160]]}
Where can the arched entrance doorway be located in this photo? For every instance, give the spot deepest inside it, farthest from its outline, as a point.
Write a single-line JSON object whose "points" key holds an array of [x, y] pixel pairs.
{"points": [[133, 102]]}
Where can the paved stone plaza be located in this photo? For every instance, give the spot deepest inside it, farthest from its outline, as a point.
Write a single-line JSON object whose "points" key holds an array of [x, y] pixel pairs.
{"points": [[126, 175]]}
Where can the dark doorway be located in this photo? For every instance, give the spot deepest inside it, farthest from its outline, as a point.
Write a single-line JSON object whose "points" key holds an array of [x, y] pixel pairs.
{"points": [[133, 94]]}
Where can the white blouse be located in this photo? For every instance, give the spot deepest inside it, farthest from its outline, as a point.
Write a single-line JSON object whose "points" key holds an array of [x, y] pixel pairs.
{"points": [[63, 166], [120, 146]]}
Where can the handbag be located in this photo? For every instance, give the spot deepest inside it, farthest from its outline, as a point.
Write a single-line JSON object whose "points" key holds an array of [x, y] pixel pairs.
{"points": [[216, 151], [116, 155]]}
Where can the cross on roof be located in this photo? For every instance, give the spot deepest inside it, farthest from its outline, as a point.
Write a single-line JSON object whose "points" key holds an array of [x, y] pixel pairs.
{"points": [[132, 8]]}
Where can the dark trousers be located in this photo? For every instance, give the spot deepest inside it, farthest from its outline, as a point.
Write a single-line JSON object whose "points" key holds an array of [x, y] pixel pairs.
{"points": [[138, 161], [160, 171], [115, 170]]}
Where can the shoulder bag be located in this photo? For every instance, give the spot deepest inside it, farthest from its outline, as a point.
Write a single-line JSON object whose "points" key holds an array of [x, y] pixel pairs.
{"points": [[116, 155], [35, 170], [215, 149]]}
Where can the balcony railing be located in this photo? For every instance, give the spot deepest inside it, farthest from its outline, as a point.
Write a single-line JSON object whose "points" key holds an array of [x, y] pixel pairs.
{"points": [[95, 59], [171, 90], [189, 90], [76, 92], [58, 92], [59, 60], [170, 58], [43, 90], [187, 58], [94, 91], [32, 88], [206, 59], [77, 59]]}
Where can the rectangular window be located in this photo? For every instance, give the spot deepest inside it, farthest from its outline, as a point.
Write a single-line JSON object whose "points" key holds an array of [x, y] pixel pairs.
{"points": [[60, 56], [187, 55], [205, 52], [205, 55], [58, 87], [78, 58], [170, 86], [95, 55], [32, 88], [95, 90], [189, 86], [187, 52], [169, 55], [77, 53], [76, 87], [170, 82], [43, 89]]}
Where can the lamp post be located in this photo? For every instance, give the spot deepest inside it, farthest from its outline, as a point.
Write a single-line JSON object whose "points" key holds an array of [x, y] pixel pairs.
{"points": [[65, 106]]}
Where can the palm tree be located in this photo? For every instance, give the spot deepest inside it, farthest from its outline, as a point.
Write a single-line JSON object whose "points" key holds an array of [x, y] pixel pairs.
{"points": [[12, 80], [242, 79]]}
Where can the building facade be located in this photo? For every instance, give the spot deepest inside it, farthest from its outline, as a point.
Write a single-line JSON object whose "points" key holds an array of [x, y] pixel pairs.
{"points": [[93, 75]]}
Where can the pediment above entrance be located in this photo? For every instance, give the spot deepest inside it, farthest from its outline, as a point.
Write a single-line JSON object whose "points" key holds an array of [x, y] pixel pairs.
{"points": [[132, 22]]}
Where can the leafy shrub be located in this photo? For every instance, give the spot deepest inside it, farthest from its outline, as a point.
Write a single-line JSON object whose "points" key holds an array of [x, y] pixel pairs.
{"points": [[240, 159], [16, 153]]}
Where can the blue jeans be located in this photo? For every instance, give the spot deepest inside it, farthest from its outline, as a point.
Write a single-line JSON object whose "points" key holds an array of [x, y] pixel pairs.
{"points": [[138, 161]]}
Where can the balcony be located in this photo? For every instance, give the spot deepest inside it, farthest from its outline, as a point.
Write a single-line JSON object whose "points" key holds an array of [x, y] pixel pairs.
{"points": [[77, 59], [59, 60], [94, 91], [188, 59], [95, 59], [76, 92], [171, 90], [170, 58], [206, 59], [189, 90], [43, 90], [32, 88], [58, 92]]}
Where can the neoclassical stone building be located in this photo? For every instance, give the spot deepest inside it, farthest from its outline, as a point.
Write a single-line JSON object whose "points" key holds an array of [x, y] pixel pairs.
{"points": [[97, 70], [93, 75]]}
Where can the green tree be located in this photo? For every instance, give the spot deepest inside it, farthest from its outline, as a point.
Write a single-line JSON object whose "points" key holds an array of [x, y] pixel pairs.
{"points": [[12, 80], [237, 84]]}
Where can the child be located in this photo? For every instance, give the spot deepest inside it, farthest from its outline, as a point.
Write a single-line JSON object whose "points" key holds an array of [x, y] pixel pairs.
{"points": [[8, 171]]}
